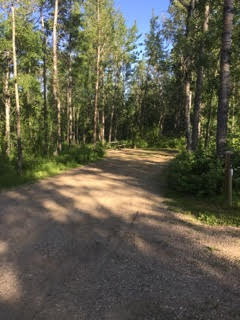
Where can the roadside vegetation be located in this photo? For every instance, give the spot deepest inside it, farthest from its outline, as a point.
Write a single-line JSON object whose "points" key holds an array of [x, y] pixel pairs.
{"points": [[196, 186], [39, 167], [75, 78]]}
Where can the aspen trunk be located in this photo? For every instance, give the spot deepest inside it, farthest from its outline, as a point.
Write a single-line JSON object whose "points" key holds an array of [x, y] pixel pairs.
{"points": [[56, 80], [96, 111], [115, 132], [97, 78], [187, 77], [209, 121], [84, 135], [73, 124], [69, 89], [45, 110], [7, 103], [28, 113], [102, 119], [234, 102], [18, 110], [111, 124], [187, 112], [103, 125], [117, 76], [160, 124], [69, 104], [77, 126], [225, 79], [199, 86]]}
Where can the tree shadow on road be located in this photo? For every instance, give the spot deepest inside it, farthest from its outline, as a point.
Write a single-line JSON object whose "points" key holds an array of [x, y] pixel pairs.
{"points": [[97, 243]]}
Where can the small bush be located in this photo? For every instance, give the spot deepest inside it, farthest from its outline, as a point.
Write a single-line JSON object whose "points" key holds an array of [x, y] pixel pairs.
{"points": [[171, 143], [199, 173]]}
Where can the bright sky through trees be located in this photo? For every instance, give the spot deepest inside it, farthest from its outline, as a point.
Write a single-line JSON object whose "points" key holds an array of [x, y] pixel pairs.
{"points": [[141, 11]]}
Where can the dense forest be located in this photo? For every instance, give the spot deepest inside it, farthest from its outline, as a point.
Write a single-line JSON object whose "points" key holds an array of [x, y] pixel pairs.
{"points": [[73, 74]]}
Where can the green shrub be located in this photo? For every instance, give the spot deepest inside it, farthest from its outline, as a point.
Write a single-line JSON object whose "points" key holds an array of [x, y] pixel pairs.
{"points": [[36, 166], [153, 139], [199, 173], [141, 143], [171, 143]]}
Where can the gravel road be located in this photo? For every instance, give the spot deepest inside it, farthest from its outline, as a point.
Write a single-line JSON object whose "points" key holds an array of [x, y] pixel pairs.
{"points": [[98, 243]]}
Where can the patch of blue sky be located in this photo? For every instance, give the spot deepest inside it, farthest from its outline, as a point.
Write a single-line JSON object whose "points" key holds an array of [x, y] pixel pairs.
{"points": [[141, 12]]}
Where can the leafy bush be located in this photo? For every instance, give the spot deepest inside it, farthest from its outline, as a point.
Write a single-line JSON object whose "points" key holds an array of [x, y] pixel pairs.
{"points": [[199, 173], [141, 143], [153, 139], [171, 143], [36, 167]]}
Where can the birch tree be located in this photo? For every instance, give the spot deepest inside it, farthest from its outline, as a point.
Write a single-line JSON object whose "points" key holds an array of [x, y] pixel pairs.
{"points": [[225, 80], [15, 73], [56, 92], [199, 82]]}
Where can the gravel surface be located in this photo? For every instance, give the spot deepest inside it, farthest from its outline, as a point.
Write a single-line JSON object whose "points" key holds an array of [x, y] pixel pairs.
{"points": [[98, 243]]}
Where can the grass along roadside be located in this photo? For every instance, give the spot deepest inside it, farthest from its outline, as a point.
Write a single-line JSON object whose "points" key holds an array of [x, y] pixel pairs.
{"points": [[211, 211], [38, 167]]}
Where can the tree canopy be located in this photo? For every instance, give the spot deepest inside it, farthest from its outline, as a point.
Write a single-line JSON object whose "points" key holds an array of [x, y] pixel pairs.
{"points": [[73, 73]]}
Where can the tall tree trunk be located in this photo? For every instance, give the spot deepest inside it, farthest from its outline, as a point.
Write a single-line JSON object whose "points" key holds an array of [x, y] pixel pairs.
{"points": [[115, 132], [18, 110], [234, 103], [56, 80], [225, 80], [45, 109], [111, 123], [28, 113], [187, 89], [77, 126], [73, 124], [84, 135], [209, 121], [103, 125], [96, 116], [70, 88], [7, 103], [117, 77], [69, 104], [160, 124], [187, 75], [199, 86]]}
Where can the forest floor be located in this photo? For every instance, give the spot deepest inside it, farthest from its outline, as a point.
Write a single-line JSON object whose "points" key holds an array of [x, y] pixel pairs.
{"points": [[98, 242]]}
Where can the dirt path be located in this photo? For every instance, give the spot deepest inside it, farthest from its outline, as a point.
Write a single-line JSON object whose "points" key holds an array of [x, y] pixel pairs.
{"points": [[98, 243]]}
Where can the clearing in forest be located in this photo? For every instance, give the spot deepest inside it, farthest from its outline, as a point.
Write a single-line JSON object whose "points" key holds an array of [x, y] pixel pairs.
{"points": [[98, 243]]}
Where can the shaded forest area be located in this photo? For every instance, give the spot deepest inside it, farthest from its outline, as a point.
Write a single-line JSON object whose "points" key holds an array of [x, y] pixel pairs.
{"points": [[75, 78]]}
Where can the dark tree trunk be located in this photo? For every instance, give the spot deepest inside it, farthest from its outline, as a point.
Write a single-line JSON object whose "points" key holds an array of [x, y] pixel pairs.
{"points": [[225, 80]]}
